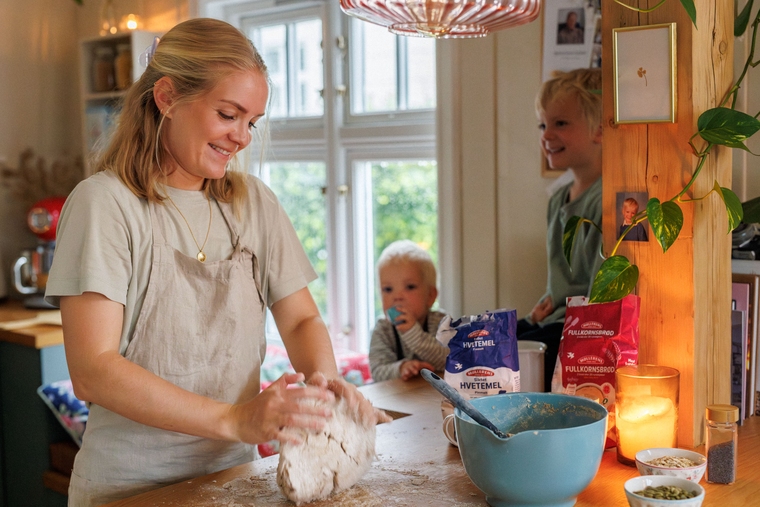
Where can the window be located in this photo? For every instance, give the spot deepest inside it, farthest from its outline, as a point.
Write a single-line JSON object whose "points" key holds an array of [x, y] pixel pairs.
{"points": [[352, 156], [300, 188], [293, 57], [390, 73]]}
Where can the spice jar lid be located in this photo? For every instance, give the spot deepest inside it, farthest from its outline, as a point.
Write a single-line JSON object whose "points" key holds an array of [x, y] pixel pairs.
{"points": [[722, 413]]}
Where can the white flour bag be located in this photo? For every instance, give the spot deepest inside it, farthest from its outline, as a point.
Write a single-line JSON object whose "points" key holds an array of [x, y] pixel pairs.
{"points": [[483, 356]]}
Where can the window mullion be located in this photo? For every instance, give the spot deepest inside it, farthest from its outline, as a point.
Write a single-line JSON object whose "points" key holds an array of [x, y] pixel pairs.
{"points": [[291, 58], [401, 74], [339, 227]]}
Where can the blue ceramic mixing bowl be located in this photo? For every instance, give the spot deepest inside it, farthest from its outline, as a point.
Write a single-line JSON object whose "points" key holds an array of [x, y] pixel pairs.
{"points": [[553, 455]]}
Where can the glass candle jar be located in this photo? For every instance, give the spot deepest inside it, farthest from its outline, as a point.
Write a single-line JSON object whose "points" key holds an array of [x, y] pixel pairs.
{"points": [[721, 429], [646, 409]]}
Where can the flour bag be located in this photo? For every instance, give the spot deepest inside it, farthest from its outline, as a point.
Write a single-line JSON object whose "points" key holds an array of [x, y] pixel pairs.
{"points": [[597, 339], [483, 356]]}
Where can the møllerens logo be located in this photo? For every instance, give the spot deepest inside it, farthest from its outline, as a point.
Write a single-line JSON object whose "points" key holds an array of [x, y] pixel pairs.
{"points": [[480, 372], [590, 360], [591, 325], [478, 333]]}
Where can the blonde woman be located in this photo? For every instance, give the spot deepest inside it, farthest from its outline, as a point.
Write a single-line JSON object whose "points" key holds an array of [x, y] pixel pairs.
{"points": [[166, 262]]}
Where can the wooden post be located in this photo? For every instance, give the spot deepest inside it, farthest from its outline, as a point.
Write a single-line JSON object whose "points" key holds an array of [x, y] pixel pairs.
{"points": [[685, 292]]}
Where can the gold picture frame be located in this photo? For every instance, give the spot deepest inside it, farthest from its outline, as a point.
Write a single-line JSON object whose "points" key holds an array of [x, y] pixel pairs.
{"points": [[644, 71]]}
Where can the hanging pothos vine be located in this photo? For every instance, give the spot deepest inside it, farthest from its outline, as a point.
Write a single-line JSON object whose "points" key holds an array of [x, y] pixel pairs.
{"points": [[722, 125]]}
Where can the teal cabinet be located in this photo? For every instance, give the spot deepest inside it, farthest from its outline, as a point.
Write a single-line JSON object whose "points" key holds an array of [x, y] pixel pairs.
{"points": [[27, 426]]}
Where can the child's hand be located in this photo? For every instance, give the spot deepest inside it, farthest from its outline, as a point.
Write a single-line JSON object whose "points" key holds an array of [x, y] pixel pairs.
{"points": [[401, 318], [542, 310], [410, 369]]}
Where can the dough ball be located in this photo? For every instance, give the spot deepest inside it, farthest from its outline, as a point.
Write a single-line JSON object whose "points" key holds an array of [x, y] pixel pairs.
{"points": [[328, 461]]}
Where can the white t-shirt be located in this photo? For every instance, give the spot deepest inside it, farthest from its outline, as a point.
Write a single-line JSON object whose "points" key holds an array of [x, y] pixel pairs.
{"points": [[104, 242]]}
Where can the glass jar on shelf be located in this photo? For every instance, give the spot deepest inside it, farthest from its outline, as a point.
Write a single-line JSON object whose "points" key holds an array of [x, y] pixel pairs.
{"points": [[722, 437], [103, 69], [123, 66]]}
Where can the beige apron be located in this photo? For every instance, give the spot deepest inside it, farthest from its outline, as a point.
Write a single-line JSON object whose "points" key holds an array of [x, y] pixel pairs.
{"points": [[201, 327]]}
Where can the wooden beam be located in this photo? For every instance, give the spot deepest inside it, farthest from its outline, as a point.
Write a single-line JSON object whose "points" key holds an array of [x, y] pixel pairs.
{"points": [[686, 292]]}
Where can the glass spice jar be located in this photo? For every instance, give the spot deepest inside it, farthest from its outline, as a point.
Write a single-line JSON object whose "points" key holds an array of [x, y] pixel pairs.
{"points": [[103, 69], [123, 65], [722, 439]]}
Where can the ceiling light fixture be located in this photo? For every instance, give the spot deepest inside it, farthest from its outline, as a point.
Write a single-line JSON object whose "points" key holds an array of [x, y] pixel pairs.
{"points": [[445, 19]]}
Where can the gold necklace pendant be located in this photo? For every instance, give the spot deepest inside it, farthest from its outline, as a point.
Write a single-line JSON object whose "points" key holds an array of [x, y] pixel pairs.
{"points": [[201, 255]]}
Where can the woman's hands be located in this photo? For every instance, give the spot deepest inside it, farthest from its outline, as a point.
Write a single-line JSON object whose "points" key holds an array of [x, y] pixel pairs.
{"points": [[280, 413], [368, 414]]}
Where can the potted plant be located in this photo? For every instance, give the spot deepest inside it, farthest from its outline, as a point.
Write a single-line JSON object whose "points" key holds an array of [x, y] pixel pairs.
{"points": [[722, 125]]}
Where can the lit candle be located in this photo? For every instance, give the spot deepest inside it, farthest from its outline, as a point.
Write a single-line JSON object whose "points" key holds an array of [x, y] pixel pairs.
{"points": [[646, 409]]}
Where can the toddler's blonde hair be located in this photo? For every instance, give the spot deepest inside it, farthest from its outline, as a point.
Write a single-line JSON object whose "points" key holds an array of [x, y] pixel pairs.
{"points": [[406, 250]]}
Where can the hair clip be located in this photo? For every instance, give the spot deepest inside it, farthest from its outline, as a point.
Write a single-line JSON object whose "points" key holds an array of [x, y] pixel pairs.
{"points": [[147, 55]]}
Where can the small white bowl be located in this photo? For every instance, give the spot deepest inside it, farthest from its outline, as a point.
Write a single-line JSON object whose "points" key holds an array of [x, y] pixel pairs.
{"points": [[694, 473], [641, 482]]}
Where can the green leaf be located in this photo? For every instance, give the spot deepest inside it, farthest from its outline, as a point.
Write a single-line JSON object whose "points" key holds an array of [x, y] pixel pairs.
{"points": [[721, 125], [733, 206], [616, 279], [666, 220], [741, 21], [751, 211], [568, 236], [690, 10]]}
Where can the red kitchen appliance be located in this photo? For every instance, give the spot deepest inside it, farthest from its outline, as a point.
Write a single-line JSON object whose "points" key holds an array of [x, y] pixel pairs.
{"points": [[31, 268]]}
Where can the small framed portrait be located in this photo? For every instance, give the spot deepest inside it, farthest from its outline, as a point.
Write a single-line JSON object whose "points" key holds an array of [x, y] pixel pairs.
{"points": [[571, 26], [644, 60], [628, 205]]}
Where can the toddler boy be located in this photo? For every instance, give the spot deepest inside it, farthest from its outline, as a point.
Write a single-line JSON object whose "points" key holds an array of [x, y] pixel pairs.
{"points": [[404, 342]]}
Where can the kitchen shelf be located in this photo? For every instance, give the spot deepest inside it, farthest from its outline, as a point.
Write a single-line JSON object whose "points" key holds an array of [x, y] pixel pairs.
{"points": [[99, 108]]}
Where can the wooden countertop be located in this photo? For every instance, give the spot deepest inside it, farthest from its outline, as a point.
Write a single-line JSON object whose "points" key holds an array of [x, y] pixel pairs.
{"points": [[36, 336], [416, 466]]}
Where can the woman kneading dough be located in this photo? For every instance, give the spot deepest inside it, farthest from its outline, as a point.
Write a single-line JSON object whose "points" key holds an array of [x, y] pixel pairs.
{"points": [[166, 261]]}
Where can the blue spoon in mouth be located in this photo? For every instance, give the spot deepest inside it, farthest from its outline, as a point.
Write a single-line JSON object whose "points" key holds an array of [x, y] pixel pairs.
{"points": [[462, 404]]}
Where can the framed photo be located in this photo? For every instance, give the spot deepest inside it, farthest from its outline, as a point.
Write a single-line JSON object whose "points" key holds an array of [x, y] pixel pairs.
{"points": [[571, 35], [644, 64], [628, 204]]}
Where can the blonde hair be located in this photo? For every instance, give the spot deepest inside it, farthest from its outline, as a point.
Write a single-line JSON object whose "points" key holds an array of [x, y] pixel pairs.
{"points": [[408, 251], [196, 56], [584, 84], [631, 202]]}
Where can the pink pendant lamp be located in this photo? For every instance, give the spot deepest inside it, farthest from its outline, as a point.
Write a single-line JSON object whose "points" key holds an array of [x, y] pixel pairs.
{"points": [[444, 18]]}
